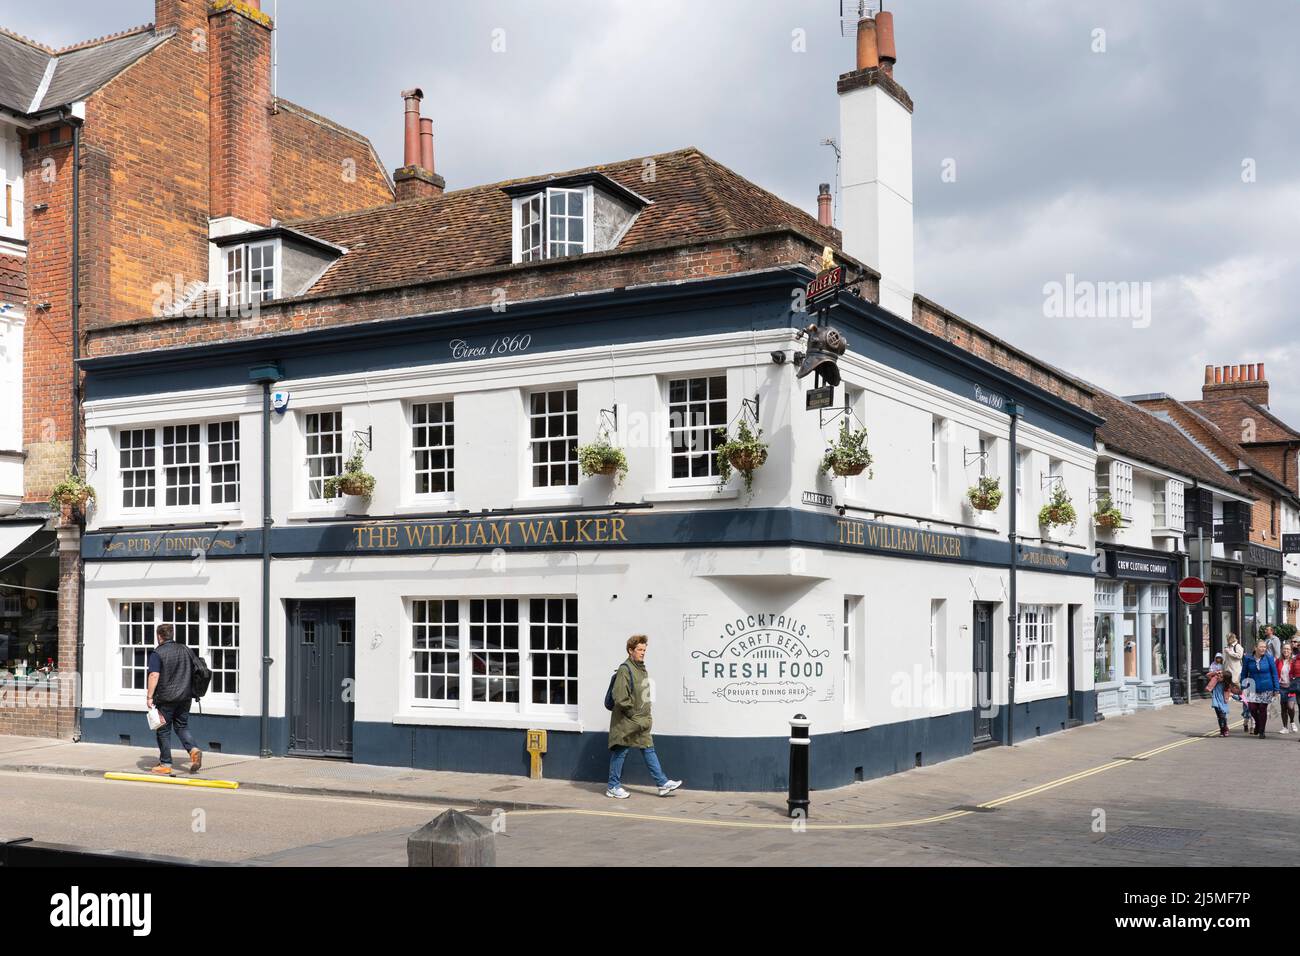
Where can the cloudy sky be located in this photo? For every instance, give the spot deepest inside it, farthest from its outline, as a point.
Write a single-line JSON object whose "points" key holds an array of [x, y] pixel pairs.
{"points": [[1114, 141]]}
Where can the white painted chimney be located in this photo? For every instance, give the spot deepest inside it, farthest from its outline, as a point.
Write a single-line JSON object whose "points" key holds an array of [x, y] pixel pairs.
{"points": [[876, 165]]}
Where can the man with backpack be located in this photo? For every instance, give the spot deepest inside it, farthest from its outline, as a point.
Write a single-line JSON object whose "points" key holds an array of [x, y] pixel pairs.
{"points": [[172, 669], [628, 700]]}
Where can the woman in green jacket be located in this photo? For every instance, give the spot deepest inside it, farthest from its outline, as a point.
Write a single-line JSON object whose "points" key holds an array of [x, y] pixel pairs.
{"points": [[630, 722]]}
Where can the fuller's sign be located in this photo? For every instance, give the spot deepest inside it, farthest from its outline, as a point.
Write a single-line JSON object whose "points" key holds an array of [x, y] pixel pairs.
{"points": [[824, 288]]}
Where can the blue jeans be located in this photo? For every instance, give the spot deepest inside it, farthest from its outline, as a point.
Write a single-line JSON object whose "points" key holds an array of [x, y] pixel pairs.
{"points": [[618, 754], [177, 715]]}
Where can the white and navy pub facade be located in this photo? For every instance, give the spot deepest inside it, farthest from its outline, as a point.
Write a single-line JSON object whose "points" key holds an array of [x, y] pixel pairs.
{"points": [[487, 587]]}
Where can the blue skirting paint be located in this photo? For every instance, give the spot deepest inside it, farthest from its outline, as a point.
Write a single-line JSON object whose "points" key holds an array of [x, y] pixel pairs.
{"points": [[705, 763]]}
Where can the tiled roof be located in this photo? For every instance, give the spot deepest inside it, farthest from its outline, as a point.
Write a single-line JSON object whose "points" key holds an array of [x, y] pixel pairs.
{"points": [[78, 71], [1136, 433], [1227, 445], [1228, 413], [692, 197]]}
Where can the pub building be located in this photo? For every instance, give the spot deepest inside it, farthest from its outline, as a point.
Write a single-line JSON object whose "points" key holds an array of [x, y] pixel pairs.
{"points": [[464, 346], [1156, 480]]}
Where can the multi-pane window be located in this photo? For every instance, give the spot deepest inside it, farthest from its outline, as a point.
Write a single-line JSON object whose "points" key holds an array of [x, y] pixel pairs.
{"points": [[986, 456], [181, 465], [1115, 479], [697, 408], [532, 220], [553, 429], [138, 457], [433, 441], [324, 431], [172, 457], [553, 647], [211, 628], [936, 465], [494, 650], [1036, 643], [469, 652], [250, 272], [435, 640], [223, 646], [566, 216], [135, 628], [223, 462]]}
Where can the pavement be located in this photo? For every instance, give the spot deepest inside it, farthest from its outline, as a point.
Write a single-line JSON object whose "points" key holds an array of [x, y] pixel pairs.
{"points": [[1147, 788]]}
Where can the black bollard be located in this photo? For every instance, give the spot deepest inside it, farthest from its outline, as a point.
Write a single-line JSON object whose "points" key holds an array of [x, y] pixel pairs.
{"points": [[800, 743]]}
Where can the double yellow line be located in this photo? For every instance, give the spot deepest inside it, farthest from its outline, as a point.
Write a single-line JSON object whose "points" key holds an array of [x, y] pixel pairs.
{"points": [[894, 825]]}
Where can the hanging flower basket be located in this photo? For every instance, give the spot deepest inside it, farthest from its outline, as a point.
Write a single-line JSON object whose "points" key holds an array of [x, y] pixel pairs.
{"points": [[848, 455], [602, 458], [1107, 516], [70, 496], [985, 496], [354, 481], [1059, 510], [745, 453]]}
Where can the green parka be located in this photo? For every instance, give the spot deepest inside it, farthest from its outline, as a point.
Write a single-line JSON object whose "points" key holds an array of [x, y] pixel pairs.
{"points": [[630, 722]]}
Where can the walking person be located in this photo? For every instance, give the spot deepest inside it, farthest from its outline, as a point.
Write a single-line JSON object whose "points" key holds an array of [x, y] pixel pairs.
{"points": [[1259, 684], [1219, 687], [630, 721], [1288, 679], [1273, 641], [1233, 654], [171, 671]]}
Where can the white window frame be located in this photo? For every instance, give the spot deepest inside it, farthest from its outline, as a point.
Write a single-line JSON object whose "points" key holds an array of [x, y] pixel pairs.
{"points": [[522, 205], [307, 456], [937, 425], [243, 296], [1119, 485], [158, 470], [570, 436], [1167, 504], [156, 611], [709, 428], [411, 484], [529, 668], [1036, 632]]}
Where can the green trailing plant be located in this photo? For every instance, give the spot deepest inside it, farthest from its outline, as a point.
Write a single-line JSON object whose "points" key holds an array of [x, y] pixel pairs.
{"points": [[354, 480], [72, 492], [986, 495], [744, 453], [1107, 515], [848, 454], [1059, 510], [602, 458]]}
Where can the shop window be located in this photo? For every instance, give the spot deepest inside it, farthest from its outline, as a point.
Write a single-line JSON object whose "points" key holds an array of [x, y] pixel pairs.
{"points": [[211, 628], [553, 434], [467, 654], [433, 442], [172, 458], [1159, 632], [697, 408], [1036, 644], [1106, 600], [324, 433]]}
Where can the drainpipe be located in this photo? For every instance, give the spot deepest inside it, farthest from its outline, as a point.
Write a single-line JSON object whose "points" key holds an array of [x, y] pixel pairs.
{"points": [[76, 409], [1015, 411], [266, 376]]}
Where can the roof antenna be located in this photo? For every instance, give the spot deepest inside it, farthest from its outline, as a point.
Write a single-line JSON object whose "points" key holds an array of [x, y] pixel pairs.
{"points": [[830, 141], [275, 50]]}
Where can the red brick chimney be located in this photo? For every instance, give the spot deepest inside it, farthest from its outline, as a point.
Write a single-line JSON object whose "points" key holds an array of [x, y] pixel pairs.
{"points": [[416, 178], [239, 118], [824, 204], [183, 15], [1236, 381]]}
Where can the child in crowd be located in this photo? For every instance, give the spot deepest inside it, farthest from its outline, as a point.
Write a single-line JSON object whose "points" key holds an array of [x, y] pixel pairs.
{"points": [[1219, 685]]}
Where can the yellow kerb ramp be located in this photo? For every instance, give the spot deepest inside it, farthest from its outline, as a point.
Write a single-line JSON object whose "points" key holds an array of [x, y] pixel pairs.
{"points": [[181, 781]]}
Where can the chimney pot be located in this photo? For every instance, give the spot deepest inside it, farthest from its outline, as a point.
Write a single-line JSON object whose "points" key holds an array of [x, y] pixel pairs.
{"points": [[824, 204], [1209, 375], [1259, 372], [411, 145], [885, 41], [426, 143], [868, 53], [1218, 375]]}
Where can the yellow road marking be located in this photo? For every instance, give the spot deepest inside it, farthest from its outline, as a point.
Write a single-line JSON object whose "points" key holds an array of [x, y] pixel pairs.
{"points": [[893, 825], [180, 781]]}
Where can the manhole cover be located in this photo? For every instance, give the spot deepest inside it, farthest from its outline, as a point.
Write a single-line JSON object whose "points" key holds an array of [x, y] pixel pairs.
{"points": [[1153, 838]]}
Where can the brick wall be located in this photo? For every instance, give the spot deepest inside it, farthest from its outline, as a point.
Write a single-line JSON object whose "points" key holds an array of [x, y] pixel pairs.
{"points": [[145, 183], [47, 337], [320, 169], [239, 74], [13, 279]]}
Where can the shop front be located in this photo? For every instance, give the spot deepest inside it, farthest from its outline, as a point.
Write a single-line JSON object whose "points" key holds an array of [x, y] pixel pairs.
{"points": [[1216, 617], [1262, 589], [1134, 625]]}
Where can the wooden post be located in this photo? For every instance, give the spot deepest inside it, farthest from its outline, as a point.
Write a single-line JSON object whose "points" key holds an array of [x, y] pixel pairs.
{"points": [[452, 839]]}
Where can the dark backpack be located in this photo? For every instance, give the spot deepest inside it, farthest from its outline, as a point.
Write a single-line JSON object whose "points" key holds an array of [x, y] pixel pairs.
{"points": [[609, 694], [200, 675]]}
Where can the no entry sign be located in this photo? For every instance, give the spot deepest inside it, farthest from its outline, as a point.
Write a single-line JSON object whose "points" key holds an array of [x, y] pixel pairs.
{"points": [[1191, 590]]}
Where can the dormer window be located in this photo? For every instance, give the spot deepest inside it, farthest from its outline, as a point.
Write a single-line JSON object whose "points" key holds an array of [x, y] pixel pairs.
{"points": [[569, 216], [251, 271]]}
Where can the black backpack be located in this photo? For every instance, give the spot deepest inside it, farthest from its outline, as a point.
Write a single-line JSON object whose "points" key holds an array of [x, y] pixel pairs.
{"points": [[200, 675], [609, 694]]}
